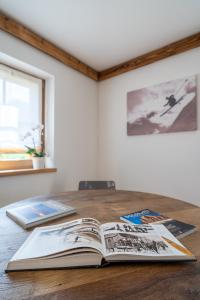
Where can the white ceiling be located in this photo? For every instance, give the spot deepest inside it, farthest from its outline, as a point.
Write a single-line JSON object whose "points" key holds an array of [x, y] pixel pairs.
{"points": [[103, 33]]}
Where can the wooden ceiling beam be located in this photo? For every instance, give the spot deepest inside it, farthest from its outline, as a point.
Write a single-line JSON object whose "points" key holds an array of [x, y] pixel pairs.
{"points": [[16, 29], [180, 46]]}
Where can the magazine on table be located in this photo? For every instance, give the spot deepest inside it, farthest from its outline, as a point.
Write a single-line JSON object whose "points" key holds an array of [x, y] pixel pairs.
{"points": [[35, 213], [86, 242], [146, 216]]}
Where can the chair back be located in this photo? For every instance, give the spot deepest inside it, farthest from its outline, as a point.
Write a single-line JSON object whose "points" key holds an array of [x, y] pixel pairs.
{"points": [[96, 185]]}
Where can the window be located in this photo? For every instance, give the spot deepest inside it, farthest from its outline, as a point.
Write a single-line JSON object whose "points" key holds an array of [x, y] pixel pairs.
{"points": [[21, 109]]}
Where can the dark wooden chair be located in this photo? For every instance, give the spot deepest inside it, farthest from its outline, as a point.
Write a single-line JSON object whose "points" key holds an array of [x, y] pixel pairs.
{"points": [[96, 185]]}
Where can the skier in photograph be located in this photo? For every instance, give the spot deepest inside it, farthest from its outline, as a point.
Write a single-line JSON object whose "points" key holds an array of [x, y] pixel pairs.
{"points": [[171, 101], [76, 239]]}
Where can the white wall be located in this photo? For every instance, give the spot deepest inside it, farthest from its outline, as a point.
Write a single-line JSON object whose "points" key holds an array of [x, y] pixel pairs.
{"points": [[75, 134], [167, 164]]}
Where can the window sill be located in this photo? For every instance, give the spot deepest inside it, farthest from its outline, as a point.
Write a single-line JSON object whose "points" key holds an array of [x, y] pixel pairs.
{"points": [[26, 171]]}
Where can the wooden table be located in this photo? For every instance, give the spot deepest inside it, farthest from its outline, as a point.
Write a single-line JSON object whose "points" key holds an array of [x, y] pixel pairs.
{"points": [[122, 281]]}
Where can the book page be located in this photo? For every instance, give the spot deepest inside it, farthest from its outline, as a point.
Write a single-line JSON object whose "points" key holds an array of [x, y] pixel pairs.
{"points": [[48, 240], [142, 240]]}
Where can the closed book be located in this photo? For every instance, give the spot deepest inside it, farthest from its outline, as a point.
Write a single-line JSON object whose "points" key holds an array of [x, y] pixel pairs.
{"points": [[146, 216], [35, 213]]}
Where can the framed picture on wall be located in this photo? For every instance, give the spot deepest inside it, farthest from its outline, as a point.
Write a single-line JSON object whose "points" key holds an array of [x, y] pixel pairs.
{"points": [[166, 107]]}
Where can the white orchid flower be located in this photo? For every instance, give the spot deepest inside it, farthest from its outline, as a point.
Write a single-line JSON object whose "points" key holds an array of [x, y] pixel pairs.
{"points": [[38, 127], [28, 134]]}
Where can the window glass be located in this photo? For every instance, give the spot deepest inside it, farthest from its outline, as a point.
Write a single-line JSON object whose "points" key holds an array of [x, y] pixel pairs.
{"points": [[20, 109]]}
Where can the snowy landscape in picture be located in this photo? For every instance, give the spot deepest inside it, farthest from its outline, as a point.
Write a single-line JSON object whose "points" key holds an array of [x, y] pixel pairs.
{"points": [[166, 107]]}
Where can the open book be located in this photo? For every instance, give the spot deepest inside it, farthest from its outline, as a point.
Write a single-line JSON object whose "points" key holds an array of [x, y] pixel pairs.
{"points": [[86, 242]]}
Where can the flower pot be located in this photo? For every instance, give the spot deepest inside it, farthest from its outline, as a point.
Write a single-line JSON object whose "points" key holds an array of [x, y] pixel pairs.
{"points": [[38, 162]]}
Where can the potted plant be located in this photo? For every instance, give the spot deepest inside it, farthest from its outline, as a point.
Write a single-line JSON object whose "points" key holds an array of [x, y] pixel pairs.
{"points": [[35, 152]]}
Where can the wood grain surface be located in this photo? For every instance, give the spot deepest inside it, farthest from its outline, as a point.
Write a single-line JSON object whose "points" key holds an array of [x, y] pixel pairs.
{"points": [[5, 173], [15, 28], [166, 281], [180, 46]]}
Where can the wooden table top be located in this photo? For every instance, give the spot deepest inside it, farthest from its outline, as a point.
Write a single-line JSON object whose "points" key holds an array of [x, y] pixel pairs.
{"points": [[120, 281]]}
